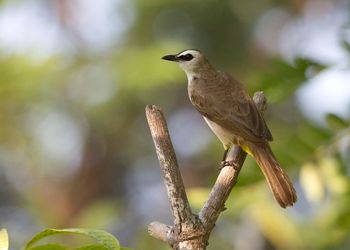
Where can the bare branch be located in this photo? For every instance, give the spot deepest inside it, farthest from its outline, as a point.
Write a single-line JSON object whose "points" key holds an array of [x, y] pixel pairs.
{"points": [[221, 189], [184, 220], [189, 231], [168, 164], [159, 231]]}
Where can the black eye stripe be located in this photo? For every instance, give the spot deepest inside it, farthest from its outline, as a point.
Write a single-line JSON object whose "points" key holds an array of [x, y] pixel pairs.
{"points": [[187, 57]]}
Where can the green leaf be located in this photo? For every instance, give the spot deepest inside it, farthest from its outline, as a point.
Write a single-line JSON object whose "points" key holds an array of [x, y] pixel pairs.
{"points": [[50, 246], [91, 247], [303, 64], [336, 123], [4, 240], [105, 239]]}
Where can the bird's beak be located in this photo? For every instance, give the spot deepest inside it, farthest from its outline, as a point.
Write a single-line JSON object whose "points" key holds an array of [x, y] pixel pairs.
{"points": [[170, 58]]}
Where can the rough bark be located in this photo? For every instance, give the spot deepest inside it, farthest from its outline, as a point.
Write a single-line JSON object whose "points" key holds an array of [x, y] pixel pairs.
{"points": [[191, 231]]}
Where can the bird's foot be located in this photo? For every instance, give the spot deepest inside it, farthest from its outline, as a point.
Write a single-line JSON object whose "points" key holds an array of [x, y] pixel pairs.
{"points": [[228, 164]]}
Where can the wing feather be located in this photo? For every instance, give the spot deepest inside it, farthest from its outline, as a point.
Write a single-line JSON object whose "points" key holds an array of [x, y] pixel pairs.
{"points": [[226, 103]]}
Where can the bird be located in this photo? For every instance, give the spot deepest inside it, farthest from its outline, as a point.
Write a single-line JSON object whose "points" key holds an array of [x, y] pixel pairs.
{"points": [[234, 118]]}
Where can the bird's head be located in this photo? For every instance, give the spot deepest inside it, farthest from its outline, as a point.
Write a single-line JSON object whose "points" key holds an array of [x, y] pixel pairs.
{"points": [[190, 60]]}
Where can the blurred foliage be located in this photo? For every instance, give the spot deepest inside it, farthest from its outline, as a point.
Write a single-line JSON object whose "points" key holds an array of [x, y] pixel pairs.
{"points": [[282, 78], [75, 149], [4, 239]]}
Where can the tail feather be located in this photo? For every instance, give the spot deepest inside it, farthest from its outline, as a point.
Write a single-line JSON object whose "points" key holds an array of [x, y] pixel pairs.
{"points": [[279, 182]]}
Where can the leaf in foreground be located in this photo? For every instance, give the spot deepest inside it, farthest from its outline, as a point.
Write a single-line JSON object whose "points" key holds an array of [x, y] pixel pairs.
{"points": [[50, 246], [105, 239]]}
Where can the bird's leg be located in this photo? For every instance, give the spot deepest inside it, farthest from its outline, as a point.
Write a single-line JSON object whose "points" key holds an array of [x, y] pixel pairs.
{"points": [[224, 162], [225, 154]]}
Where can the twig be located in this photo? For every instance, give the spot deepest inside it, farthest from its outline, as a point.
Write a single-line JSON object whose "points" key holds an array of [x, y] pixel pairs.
{"points": [[191, 231]]}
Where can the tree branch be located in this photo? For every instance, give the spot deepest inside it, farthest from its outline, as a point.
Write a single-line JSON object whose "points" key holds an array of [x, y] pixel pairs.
{"points": [[191, 231]]}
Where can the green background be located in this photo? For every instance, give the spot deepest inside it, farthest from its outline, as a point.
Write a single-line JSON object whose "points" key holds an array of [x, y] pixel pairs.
{"points": [[75, 148]]}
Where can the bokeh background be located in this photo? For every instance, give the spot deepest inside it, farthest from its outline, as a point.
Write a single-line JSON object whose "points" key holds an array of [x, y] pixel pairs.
{"points": [[75, 148]]}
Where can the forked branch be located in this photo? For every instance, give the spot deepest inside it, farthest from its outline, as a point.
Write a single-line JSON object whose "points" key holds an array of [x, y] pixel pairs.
{"points": [[191, 231]]}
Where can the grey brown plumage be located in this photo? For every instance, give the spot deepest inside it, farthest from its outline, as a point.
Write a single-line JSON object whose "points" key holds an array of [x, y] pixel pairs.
{"points": [[224, 102], [279, 183], [232, 115]]}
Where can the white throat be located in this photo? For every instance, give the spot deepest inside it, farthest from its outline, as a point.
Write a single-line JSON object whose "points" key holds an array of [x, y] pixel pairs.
{"points": [[190, 74]]}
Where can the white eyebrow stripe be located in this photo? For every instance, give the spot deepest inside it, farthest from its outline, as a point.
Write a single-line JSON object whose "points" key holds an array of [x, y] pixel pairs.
{"points": [[187, 52]]}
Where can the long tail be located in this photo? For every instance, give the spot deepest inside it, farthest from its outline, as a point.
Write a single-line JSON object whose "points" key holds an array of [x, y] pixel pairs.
{"points": [[279, 182]]}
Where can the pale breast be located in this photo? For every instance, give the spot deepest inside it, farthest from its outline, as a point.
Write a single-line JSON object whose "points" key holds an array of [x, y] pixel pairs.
{"points": [[226, 137]]}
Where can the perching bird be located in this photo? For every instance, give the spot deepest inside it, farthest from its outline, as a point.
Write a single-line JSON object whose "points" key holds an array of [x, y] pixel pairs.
{"points": [[233, 117]]}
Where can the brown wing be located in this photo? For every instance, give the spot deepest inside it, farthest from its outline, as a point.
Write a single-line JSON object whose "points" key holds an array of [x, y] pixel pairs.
{"points": [[227, 103]]}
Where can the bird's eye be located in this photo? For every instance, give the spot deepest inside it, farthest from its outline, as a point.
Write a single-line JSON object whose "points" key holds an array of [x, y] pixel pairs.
{"points": [[187, 57]]}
